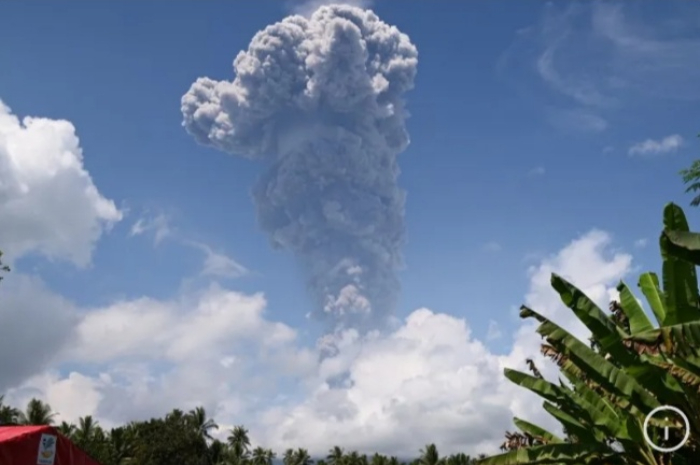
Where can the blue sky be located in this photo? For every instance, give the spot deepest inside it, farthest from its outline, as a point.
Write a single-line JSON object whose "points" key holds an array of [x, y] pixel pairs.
{"points": [[523, 121]]}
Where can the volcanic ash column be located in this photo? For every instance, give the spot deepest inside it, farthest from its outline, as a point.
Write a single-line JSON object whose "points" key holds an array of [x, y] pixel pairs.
{"points": [[319, 101]]}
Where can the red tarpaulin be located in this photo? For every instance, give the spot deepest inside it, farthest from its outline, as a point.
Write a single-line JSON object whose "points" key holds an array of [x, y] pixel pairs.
{"points": [[39, 445]]}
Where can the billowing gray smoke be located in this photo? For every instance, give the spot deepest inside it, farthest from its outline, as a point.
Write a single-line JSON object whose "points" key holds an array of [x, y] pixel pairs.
{"points": [[319, 100]]}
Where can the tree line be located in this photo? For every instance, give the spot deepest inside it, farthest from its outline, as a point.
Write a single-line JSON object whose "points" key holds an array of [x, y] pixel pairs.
{"points": [[185, 438]]}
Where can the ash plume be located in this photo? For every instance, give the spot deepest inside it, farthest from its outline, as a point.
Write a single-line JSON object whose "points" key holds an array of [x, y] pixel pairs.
{"points": [[318, 100]]}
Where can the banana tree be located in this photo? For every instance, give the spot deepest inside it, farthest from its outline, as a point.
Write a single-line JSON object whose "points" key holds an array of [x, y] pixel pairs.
{"points": [[633, 366]]}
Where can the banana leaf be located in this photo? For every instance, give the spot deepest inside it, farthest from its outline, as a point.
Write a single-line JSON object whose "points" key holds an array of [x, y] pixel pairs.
{"points": [[679, 276], [549, 454], [634, 312], [649, 284]]}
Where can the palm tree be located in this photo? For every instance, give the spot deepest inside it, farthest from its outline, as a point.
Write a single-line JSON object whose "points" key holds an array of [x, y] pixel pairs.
{"points": [[335, 455], [98, 444], [301, 457], [202, 423], [122, 443], [176, 415], [8, 414], [86, 429], [459, 459], [89, 436], [429, 455], [269, 456], [288, 458], [353, 458], [259, 456], [3, 268], [378, 459], [240, 444], [218, 452], [37, 413], [67, 429]]}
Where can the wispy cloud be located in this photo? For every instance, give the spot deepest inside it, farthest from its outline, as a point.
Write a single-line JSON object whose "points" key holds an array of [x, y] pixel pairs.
{"points": [[215, 264], [577, 120], [578, 89], [493, 246], [641, 243], [494, 331], [218, 264], [657, 147], [158, 225], [538, 171], [582, 62]]}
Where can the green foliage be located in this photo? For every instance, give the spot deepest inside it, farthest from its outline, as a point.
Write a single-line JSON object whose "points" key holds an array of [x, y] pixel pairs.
{"points": [[631, 367], [169, 440], [8, 414], [183, 438], [37, 413], [3, 268], [691, 177]]}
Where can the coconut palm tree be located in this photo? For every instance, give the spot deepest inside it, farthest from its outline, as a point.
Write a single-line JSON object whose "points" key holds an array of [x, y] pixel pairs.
{"points": [[353, 458], [335, 455], [378, 459], [288, 458], [3, 268], [259, 456], [203, 424], [176, 415], [67, 429], [239, 442], [429, 455], [85, 431], [122, 445], [218, 452], [37, 413], [459, 459], [8, 414], [301, 457], [269, 456]]}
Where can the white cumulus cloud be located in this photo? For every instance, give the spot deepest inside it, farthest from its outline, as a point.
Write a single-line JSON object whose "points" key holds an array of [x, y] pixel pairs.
{"points": [[657, 147], [537, 171], [427, 380], [493, 246], [48, 201], [35, 324]]}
